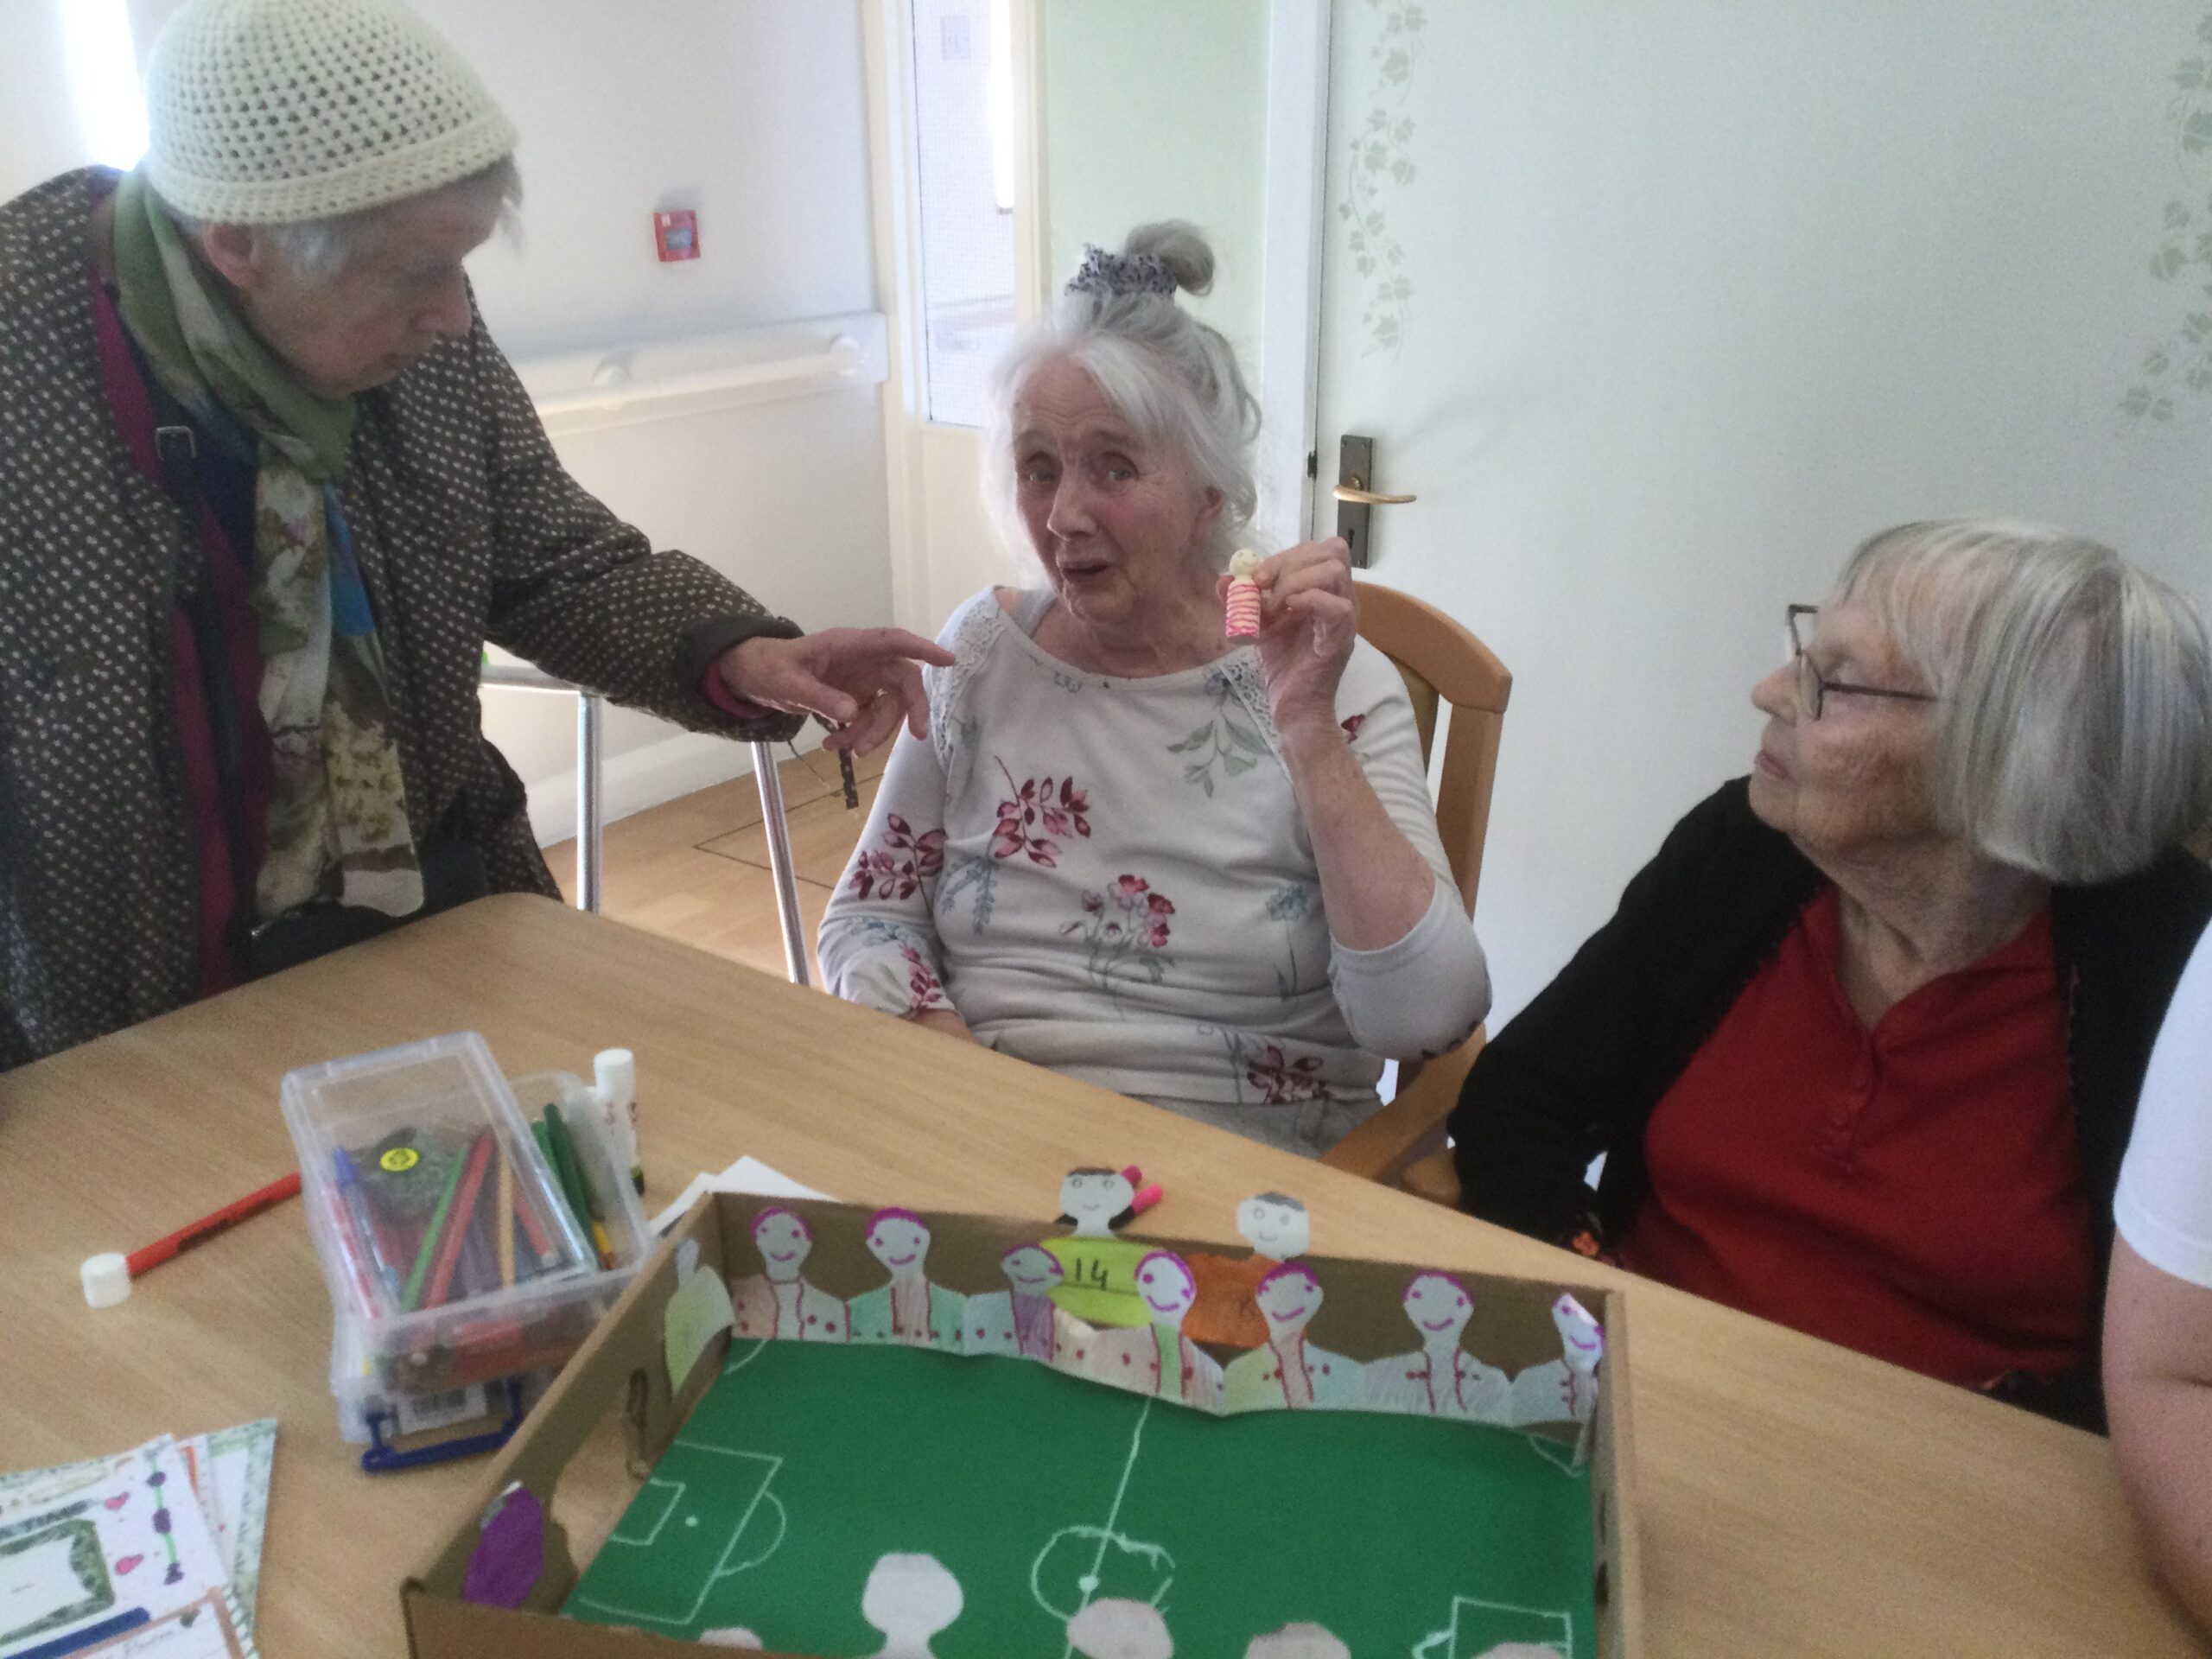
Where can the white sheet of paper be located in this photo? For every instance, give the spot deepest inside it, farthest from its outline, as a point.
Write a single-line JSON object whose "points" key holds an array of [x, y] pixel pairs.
{"points": [[747, 1175], [230, 1469]]}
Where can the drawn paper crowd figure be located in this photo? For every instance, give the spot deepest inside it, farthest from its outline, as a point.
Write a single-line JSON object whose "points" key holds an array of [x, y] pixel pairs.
{"points": [[909, 1309], [1157, 1357], [1290, 1372], [777, 1301], [1563, 1389], [1099, 1270], [1019, 1318], [1277, 1228], [1441, 1379]]}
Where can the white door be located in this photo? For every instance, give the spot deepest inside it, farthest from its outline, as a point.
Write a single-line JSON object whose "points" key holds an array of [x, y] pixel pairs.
{"points": [[1659, 308]]}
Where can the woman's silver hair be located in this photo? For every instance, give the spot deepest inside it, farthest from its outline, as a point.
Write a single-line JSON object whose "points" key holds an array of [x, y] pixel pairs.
{"points": [[318, 250], [2073, 739], [1170, 375]]}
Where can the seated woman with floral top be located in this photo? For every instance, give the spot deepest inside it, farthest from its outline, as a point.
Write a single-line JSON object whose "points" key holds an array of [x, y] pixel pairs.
{"points": [[1200, 872]]}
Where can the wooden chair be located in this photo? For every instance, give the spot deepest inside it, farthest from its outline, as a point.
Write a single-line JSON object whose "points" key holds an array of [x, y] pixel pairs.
{"points": [[1442, 663]]}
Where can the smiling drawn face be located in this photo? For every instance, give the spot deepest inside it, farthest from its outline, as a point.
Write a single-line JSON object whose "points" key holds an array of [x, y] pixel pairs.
{"points": [[1274, 1225], [1583, 1344], [1165, 1281], [899, 1240], [1440, 1307], [1031, 1271], [1288, 1297], [1092, 1197], [783, 1240]]}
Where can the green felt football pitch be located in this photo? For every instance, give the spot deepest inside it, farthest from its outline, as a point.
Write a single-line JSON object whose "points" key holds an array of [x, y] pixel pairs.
{"points": [[806, 1462]]}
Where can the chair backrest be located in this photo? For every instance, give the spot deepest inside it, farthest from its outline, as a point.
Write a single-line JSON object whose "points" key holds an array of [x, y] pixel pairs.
{"points": [[1442, 663]]}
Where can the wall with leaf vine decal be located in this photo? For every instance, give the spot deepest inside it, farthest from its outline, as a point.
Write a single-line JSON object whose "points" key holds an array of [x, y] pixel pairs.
{"points": [[1381, 159], [2180, 367]]}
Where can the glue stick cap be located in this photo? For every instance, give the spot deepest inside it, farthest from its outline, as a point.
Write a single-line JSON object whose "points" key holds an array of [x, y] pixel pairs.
{"points": [[106, 1278], [615, 1070]]}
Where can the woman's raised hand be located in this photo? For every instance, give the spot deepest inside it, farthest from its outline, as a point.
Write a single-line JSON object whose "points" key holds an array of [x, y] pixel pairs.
{"points": [[1309, 616]]}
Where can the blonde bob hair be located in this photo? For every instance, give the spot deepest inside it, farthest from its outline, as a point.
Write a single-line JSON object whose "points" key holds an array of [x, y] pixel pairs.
{"points": [[2073, 739]]}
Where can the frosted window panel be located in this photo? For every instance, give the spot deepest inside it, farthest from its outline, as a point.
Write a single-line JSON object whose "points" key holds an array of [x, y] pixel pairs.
{"points": [[967, 237]]}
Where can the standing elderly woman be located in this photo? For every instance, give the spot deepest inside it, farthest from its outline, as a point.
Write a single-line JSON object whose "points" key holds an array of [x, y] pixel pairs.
{"points": [[1200, 872], [266, 488], [1863, 1043]]}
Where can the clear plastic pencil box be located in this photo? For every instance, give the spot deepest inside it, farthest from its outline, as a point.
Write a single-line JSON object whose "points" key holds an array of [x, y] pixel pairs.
{"points": [[453, 1255]]}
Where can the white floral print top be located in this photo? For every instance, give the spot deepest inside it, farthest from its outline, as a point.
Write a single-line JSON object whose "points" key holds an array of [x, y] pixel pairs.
{"points": [[1110, 877]]}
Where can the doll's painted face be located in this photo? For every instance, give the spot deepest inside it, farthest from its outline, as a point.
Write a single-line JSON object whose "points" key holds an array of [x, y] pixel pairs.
{"points": [[1583, 1342], [1031, 1271], [1092, 1197], [1274, 1225], [1438, 1306], [1164, 1281], [899, 1240], [1288, 1297], [784, 1240]]}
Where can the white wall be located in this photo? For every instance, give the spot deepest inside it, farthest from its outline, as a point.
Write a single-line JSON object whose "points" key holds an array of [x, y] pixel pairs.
{"points": [[749, 111], [1701, 294], [1157, 109]]}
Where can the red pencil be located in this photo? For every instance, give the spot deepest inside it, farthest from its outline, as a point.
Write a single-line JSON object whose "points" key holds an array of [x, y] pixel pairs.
{"points": [[207, 1226], [458, 1218]]}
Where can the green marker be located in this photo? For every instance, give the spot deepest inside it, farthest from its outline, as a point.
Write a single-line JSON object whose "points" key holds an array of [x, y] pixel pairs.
{"points": [[412, 1295], [564, 1167]]}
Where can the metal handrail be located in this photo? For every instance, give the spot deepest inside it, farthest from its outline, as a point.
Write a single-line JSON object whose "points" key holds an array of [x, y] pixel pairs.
{"points": [[591, 827]]}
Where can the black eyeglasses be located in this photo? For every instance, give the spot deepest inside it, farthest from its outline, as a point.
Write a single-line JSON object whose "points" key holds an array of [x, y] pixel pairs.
{"points": [[1813, 689]]}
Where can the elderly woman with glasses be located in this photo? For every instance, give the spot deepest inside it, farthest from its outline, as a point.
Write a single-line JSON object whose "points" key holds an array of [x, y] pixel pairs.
{"points": [[1194, 868], [1862, 1045], [266, 489]]}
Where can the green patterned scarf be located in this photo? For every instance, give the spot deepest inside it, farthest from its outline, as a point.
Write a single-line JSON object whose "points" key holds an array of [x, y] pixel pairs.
{"points": [[338, 827]]}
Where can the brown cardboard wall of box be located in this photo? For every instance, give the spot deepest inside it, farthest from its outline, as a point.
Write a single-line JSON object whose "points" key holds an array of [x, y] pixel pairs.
{"points": [[623, 1368]]}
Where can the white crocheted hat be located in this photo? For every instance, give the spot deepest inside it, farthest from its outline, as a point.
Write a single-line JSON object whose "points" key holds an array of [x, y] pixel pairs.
{"points": [[272, 112]]}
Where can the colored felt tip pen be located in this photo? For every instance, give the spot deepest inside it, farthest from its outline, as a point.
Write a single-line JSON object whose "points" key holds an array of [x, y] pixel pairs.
{"points": [[1146, 1197], [364, 1224], [206, 1227]]}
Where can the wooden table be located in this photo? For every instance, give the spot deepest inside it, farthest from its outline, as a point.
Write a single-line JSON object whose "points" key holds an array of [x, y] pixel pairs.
{"points": [[1797, 1499]]}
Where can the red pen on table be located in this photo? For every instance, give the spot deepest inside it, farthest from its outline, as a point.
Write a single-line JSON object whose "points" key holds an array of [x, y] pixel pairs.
{"points": [[207, 1226]]}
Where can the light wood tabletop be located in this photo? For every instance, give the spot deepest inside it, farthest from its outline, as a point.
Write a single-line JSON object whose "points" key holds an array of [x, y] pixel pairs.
{"points": [[1797, 1499]]}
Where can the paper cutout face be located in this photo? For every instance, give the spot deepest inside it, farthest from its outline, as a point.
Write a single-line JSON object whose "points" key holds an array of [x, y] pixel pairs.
{"points": [[1288, 1297], [1031, 1271], [1275, 1225], [898, 1239], [1113, 1628], [1440, 1307], [1092, 1197], [1301, 1641], [1166, 1287], [910, 1599], [784, 1240], [1583, 1342]]}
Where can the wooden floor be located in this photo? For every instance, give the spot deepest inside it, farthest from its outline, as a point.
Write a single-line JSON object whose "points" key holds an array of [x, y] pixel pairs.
{"points": [[697, 869]]}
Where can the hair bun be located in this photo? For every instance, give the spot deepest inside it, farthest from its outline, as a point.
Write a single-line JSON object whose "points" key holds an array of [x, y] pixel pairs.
{"points": [[1181, 247]]}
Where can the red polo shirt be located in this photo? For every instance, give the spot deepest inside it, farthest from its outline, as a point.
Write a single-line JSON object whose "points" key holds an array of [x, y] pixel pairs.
{"points": [[1912, 1192]]}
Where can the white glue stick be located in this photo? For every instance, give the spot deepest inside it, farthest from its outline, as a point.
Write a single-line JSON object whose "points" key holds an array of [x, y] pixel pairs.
{"points": [[616, 1097], [1243, 593]]}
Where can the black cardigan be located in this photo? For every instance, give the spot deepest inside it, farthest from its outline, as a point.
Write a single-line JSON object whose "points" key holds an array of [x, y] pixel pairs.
{"points": [[1579, 1070]]}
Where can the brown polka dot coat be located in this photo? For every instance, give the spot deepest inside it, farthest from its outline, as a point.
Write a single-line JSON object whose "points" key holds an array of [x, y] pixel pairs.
{"points": [[468, 530]]}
